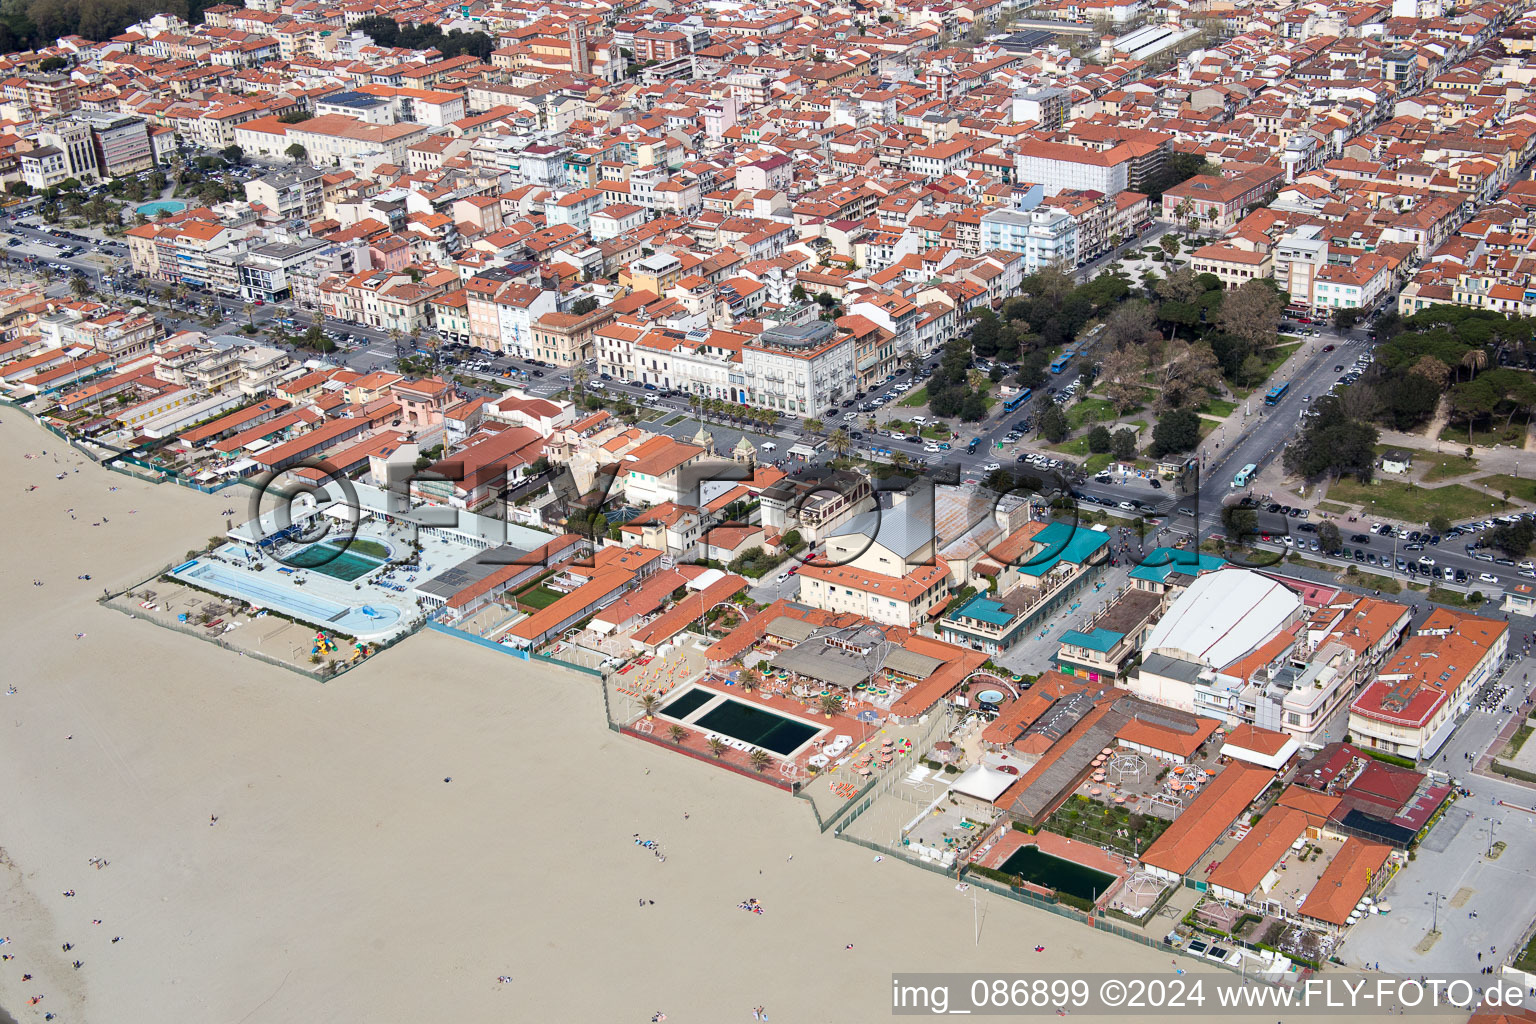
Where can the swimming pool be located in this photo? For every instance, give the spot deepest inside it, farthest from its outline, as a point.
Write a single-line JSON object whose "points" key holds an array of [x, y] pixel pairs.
{"points": [[687, 703], [285, 598], [164, 205], [333, 562], [1034, 865], [758, 726]]}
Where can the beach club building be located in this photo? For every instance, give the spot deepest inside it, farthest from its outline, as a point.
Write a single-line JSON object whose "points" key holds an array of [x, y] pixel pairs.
{"points": [[1411, 707], [1061, 559], [1178, 853]]}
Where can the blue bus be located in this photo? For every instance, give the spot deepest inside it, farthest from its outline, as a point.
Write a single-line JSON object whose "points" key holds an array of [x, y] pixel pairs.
{"points": [[1244, 475], [1060, 362], [1276, 393], [1012, 404]]}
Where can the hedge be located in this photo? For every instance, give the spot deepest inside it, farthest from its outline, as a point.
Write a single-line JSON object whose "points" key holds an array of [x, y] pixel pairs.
{"points": [[1381, 755], [1513, 773], [997, 876]]}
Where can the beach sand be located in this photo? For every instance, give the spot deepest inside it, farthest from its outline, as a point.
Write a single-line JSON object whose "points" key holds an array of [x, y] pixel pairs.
{"points": [[346, 881]]}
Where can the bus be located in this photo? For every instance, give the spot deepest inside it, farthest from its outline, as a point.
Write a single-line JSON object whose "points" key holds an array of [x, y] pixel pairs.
{"points": [[1244, 475], [1013, 403], [1276, 393], [1060, 362]]}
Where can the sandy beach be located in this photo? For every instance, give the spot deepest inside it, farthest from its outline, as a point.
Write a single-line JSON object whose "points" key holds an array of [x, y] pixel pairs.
{"points": [[344, 880]]}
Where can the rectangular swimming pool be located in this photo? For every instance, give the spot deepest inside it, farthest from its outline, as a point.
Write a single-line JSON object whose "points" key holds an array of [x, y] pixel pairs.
{"points": [[1034, 865], [284, 596], [757, 726], [333, 562]]}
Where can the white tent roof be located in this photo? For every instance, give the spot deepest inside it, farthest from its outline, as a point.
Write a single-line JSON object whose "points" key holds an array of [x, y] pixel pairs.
{"points": [[983, 783], [1223, 617], [1259, 757]]}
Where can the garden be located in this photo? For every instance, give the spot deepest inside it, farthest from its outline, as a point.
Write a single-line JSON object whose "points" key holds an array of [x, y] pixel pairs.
{"points": [[1104, 825]]}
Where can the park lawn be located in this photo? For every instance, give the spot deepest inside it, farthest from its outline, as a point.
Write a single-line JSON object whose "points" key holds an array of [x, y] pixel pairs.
{"points": [[1097, 462], [539, 597], [1076, 446], [1218, 407], [1518, 487], [1453, 598], [1512, 435], [1414, 504], [1278, 355], [1334, 507], [915, 397], [1442, 466], [1090, 410], [1385, 584], [675, 420]]}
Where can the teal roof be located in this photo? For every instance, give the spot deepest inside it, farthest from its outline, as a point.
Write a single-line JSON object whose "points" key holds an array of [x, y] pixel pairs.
{"points": [[1101, 640], [983, 608], [1063, 542], [1160, 563]]}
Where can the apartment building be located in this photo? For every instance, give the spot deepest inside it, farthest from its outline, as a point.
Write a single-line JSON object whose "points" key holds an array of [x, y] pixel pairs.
{"points": [[566, 339], [799, 370], [1234, 266], [1412, 706], [298, 193]]}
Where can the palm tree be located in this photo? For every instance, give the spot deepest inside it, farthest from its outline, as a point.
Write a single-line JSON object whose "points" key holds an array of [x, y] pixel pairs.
{"points": [[394, 339], [758, 758], [831, 704], [748, 679], [1476, 360], [716, 746], [249, 309], [677, 732], [693, 404], [579, 378], [79, 286], [840, 442], [649, 703]]}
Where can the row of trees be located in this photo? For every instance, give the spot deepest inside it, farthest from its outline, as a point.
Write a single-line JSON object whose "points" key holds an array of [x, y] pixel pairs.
{"points": [[388, 32]]}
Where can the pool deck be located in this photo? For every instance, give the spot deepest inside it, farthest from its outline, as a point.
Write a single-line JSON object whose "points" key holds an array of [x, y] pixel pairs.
{"points": [[861, 733]]}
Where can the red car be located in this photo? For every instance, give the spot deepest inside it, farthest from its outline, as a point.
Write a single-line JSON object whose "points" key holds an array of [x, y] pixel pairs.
{"points": [[1328, 348]]}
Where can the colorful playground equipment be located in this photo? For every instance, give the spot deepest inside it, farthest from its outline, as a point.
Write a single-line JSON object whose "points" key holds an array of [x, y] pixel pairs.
{"points": [[324, 644]]}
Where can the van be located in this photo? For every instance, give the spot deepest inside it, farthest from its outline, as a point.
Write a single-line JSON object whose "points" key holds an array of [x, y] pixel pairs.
{"points": [[769, 446], [919, 420]]}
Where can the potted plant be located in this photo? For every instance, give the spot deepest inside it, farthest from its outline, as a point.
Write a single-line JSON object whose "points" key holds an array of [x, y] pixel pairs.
{"points": [[648, 704], [717, 746], [758, 758], [831, 704], [677, 733]]}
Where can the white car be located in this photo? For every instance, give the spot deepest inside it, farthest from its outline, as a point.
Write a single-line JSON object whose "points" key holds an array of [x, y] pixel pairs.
{"points": [[991, 467], [1487, 577], [931, 448]]}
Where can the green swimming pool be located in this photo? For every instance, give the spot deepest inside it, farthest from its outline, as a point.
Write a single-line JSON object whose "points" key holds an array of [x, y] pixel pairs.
{"points": [[1054, 873], [333, 562], [757, 726]]}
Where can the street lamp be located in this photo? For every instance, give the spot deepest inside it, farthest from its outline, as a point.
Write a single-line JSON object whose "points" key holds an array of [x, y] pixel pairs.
{"points": [[1434, 902], [1493, 825]]}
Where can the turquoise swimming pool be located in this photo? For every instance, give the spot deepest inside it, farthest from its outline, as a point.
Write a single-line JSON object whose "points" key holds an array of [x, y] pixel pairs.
{"points": [[361, 621], [162, 206]]}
